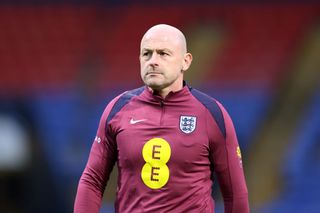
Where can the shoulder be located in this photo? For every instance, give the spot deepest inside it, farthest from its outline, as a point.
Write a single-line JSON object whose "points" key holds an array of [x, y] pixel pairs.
{"points": [[215, 108], [120, 101]]}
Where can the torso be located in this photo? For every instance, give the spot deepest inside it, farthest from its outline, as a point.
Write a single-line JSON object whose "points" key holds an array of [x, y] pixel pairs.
{"points": [[163, 155]]}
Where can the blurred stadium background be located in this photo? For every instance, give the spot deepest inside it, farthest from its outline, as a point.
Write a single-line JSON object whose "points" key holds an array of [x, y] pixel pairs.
{"points": [[62, 61]]}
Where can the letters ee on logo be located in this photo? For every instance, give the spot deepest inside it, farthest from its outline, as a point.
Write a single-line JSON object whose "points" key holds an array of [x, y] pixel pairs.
{"points": [[156, 154]]}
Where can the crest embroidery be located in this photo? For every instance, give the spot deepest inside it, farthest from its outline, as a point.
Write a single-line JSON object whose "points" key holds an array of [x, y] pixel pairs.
{"points": [[188, 123]]}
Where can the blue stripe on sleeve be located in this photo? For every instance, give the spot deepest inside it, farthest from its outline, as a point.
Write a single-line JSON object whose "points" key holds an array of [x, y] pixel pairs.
{"points": [[212, 106]]}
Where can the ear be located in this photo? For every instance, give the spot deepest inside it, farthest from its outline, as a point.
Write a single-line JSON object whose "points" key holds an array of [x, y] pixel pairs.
{"points": [[187, 59]]}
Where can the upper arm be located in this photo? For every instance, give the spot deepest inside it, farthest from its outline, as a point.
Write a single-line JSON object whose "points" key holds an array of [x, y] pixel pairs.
{"points": [[96, 173], [226, 159], [102, 156]]}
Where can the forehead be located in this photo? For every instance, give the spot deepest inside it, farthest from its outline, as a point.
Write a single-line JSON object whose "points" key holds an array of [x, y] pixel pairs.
{"points": [[160, 41]]}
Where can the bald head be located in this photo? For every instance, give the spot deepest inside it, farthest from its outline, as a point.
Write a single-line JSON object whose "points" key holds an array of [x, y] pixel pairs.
{"points": [[166, 33], [164, 59]]}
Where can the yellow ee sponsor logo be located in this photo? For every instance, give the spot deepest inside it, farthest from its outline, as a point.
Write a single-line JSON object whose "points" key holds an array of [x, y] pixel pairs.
{"points": [[155, 172]]}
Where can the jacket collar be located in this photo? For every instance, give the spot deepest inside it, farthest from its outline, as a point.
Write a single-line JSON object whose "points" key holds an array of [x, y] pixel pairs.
{"points": [[177, 96]]}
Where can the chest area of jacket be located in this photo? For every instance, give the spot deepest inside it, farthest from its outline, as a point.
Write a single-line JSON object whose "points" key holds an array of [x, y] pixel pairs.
{"points": [[184, 124], [177, 135]]}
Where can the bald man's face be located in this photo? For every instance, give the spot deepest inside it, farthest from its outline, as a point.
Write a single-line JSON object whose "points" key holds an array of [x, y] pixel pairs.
{"points": [[162, 59]]}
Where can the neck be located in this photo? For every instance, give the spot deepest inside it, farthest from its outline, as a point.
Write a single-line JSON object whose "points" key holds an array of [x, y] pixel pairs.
{"points": [[165, 91]]}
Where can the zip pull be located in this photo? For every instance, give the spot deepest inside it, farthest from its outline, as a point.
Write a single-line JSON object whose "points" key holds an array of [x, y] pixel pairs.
{"points": [[161, 103]]}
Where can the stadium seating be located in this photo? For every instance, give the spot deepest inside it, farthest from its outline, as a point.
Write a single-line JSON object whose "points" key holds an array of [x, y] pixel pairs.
{"points": [[50, 46]]}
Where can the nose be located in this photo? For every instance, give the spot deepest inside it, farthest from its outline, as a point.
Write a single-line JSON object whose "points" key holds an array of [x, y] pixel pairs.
{"points": [[154, 60]]}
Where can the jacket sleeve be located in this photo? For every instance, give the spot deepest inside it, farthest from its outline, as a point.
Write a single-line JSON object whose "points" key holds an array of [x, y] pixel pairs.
{"points": [[94, 178], [225, 156]]}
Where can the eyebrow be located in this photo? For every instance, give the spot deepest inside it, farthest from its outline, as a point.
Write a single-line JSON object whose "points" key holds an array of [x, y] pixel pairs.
{"points": [[157, 50]]}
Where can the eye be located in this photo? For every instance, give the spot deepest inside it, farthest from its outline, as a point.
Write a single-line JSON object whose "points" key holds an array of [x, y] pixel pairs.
{"points": [[146, 53], [163, 53]]}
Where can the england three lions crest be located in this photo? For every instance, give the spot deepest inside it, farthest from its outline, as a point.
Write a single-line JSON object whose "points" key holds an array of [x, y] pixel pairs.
{"points": [[188, 123]]}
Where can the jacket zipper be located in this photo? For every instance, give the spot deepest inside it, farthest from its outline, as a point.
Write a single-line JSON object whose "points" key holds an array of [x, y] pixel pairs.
{"points": [[162, 112]]}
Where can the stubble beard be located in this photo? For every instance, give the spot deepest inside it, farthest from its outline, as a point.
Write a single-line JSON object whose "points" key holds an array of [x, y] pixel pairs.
{"points": [[155, 84]]}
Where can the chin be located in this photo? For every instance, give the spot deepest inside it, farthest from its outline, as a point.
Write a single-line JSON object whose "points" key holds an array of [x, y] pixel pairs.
{"points": [[154, 85], [153, 82]]}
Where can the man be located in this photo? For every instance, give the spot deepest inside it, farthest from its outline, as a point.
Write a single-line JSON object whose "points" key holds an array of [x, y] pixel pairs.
{"points": [[167, 140]]}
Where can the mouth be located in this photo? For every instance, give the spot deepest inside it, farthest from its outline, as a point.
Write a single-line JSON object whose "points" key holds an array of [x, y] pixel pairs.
{"points": [[153, 73]]}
